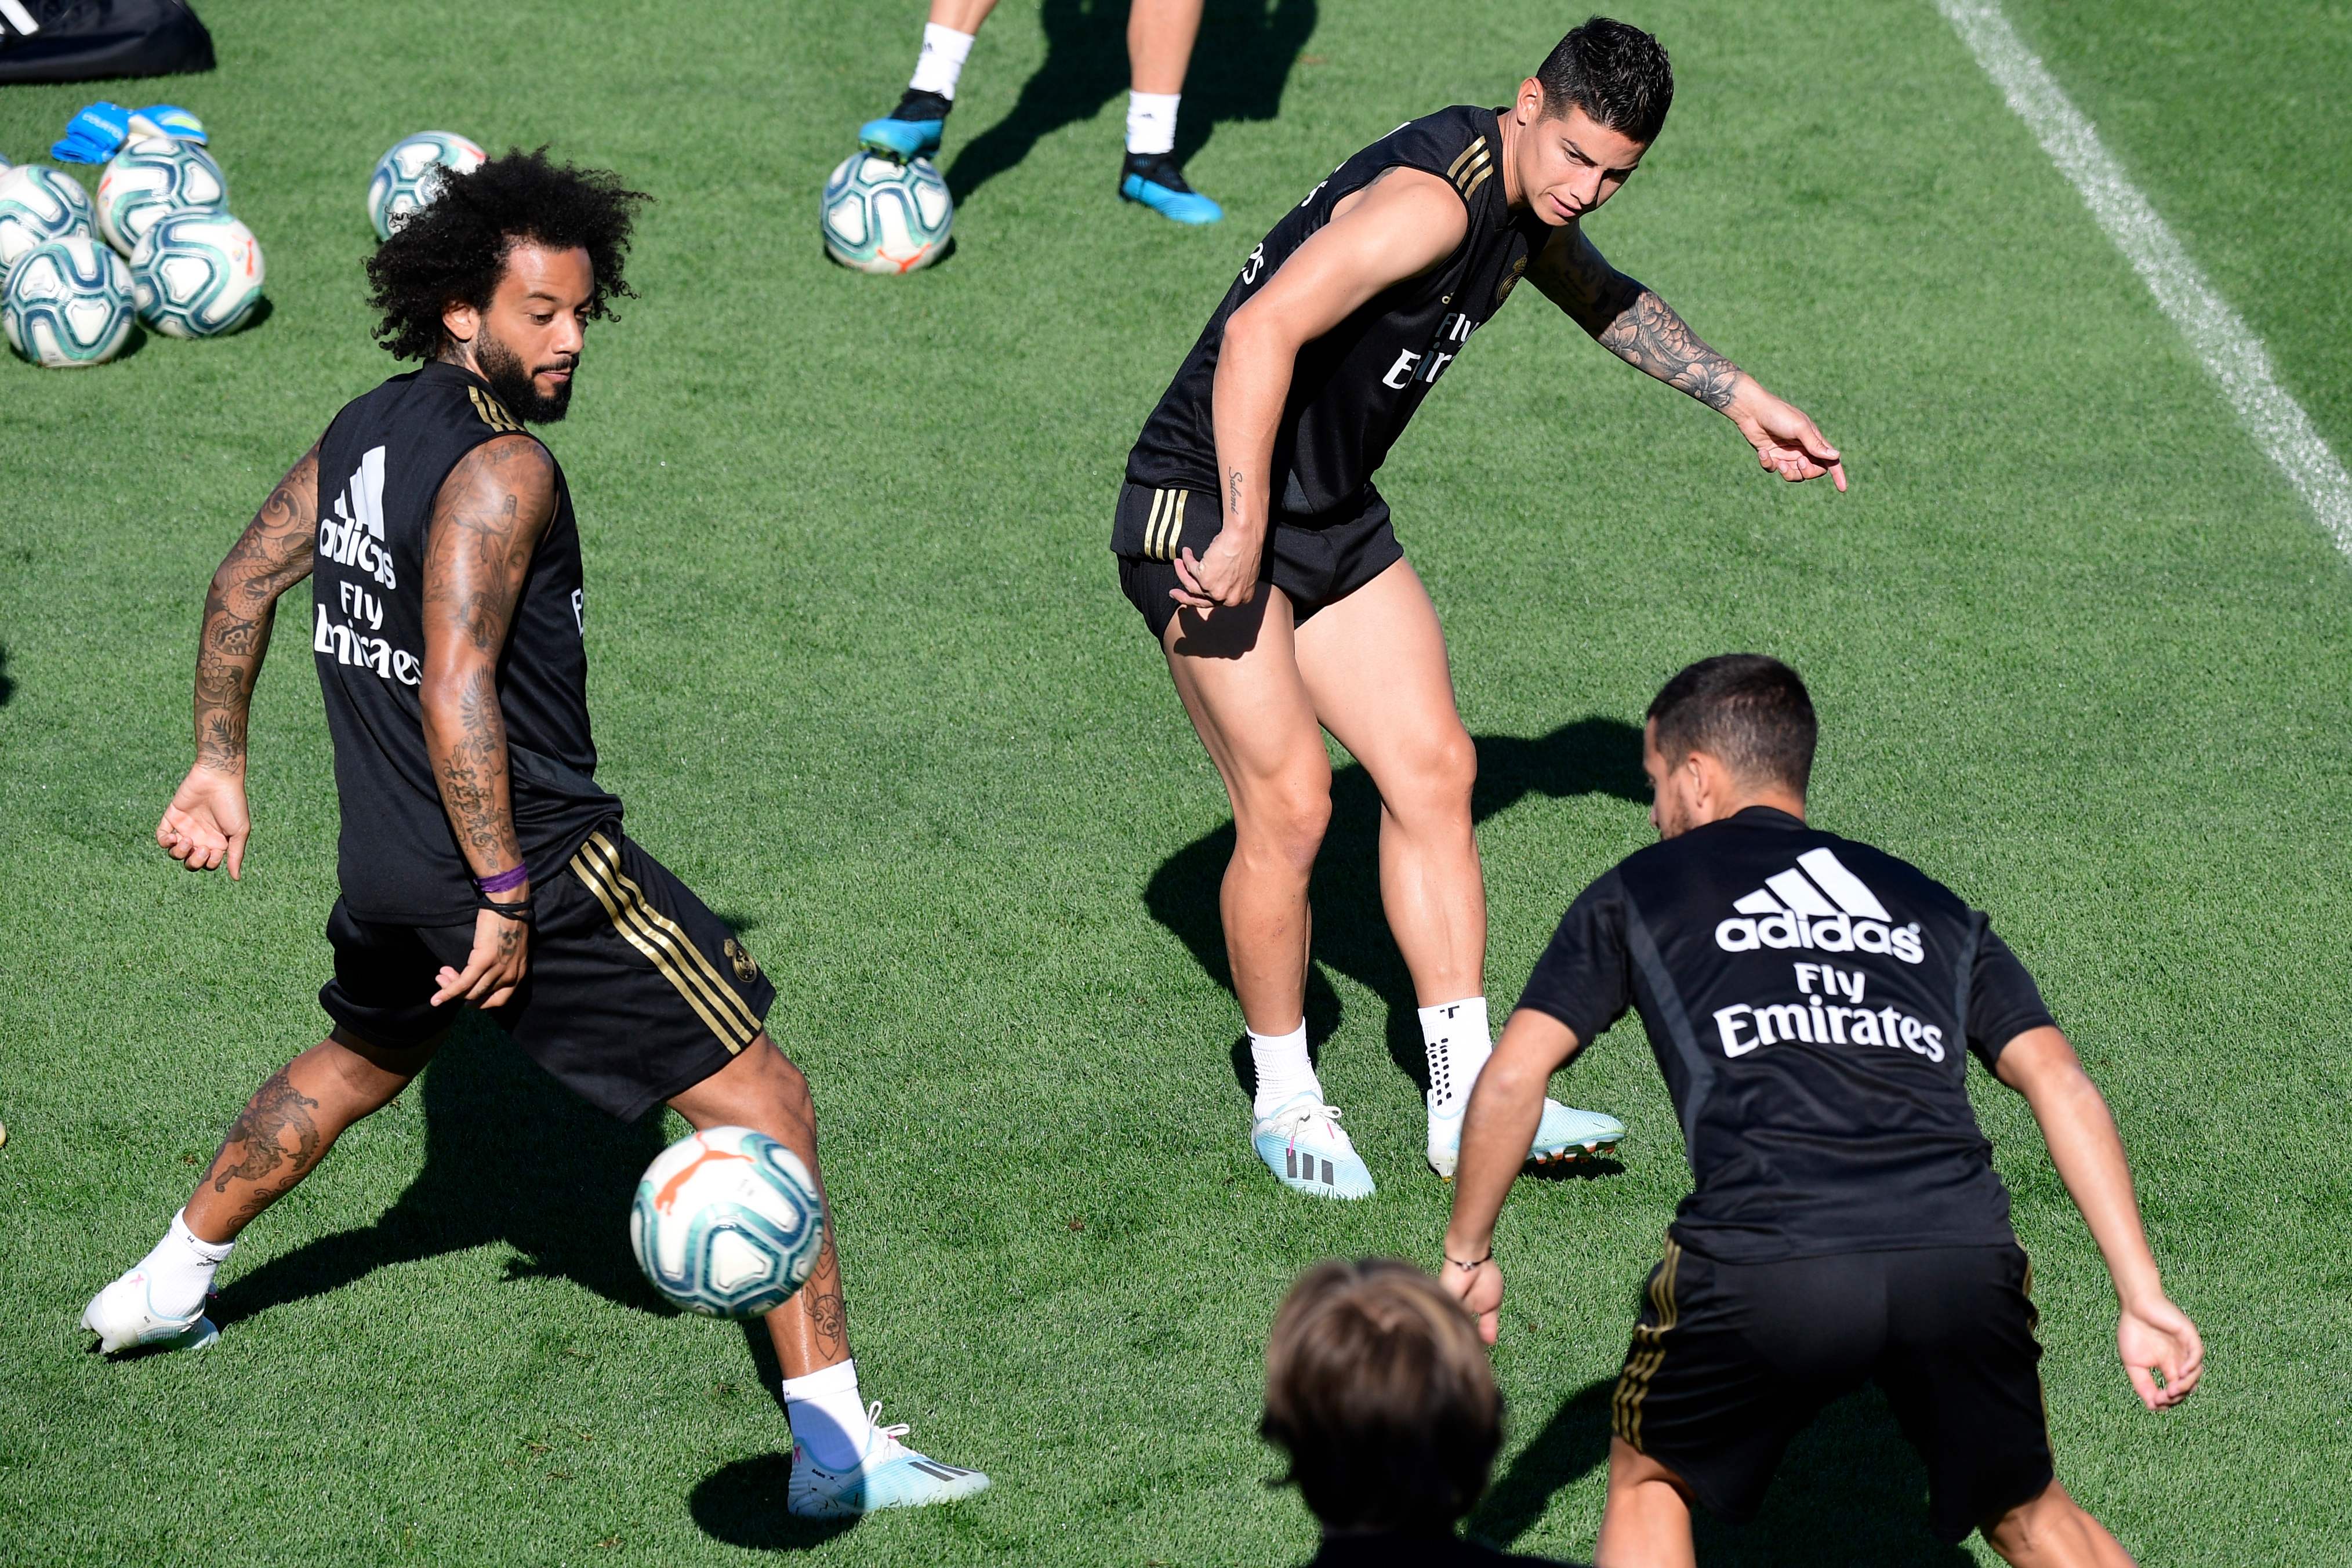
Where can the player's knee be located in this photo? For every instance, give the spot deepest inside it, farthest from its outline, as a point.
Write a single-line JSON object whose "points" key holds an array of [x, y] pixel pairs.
{"points": [[1432, 783], [2026, 1531], [1285, 824]]}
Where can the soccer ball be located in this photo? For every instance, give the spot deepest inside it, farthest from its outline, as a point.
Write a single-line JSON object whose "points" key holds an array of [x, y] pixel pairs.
{"points": [[883, 216], [38, 204], [154, 175], [728, 1223], [409, 176], [196, 274], [67, 303]]}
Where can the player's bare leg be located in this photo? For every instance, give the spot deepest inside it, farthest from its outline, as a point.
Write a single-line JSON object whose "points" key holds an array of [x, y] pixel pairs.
{"points": [[1159, 36], [1646, 1521], [843, 1465], [284, 1131], [762, 1089], [1237, 671], [2053, 1532]]}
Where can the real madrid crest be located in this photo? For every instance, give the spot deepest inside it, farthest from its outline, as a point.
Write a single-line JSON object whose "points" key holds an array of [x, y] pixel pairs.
{"points": [[747, 968], [1511, 280]]}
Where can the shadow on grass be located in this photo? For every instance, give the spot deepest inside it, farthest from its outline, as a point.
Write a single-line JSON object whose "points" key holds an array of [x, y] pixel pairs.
{"points": [[742, 1504], [1240, 67], [510, 1156], [1594, 756], [8, 685], [1850, 1490]]}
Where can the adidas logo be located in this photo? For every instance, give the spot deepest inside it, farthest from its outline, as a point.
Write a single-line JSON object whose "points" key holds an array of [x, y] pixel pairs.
{"points": [[1818, 904]]}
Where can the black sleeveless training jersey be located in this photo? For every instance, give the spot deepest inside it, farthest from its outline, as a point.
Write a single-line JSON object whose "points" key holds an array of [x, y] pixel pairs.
{"points": [[381, 466], [1813, 1003], [1354, 389]]}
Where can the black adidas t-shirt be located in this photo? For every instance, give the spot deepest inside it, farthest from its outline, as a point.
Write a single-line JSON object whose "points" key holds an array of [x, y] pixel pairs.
{"points": [[1808, 998], [1354, 389], [381, 466]]}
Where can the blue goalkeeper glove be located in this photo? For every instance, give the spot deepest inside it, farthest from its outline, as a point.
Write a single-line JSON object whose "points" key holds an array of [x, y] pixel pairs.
{"points": [[99, 131]]}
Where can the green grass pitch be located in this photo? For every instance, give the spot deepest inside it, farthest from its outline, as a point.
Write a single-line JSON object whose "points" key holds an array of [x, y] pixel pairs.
{"points": [[863, 675]]}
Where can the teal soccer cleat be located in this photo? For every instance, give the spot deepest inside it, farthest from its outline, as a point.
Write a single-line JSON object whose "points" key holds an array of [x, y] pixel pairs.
{"points": [[891, 1475], [124, 1318], [1565, 1133], [1301, 1143], [909, 131], [1154, 180]]}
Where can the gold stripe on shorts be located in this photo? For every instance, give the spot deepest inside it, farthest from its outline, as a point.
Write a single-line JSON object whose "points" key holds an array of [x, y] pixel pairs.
{"points": [[665, 945], [1649, 1352]]}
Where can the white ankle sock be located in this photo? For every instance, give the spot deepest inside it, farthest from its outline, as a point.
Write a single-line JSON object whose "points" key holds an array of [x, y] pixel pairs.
{"points": [[180, 1269], [1454, 1035], [828, 1415], [1151, 122], [1283, 1069], [939, 65]]}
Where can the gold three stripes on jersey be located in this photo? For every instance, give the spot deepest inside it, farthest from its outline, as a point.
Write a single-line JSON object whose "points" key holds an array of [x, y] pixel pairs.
{"points": [[493, 412], [1166, 530], [1470, 170], [668, 948]]}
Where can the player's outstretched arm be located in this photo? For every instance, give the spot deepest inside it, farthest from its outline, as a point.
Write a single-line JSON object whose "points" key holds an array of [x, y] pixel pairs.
{"points": [[207, 824], [1401, 224], [486, 521], [2156, 1338], [1498, 1127], [1631, 322]]}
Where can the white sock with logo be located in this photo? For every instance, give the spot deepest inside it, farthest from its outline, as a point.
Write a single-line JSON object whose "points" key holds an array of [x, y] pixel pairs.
{"points": [[939, 65], [180, 1270], [1151, 122], [1284, 1071], [828, 1415], [1454, 1035]]}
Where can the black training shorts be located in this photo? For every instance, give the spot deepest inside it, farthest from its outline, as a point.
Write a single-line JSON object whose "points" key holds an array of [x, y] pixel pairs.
{"points": [[636, 990], [1730, 1360], [1314, 564]]}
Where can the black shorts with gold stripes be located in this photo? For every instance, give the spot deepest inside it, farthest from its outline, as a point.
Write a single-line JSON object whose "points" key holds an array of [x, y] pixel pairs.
{"points": [[1315, 561], [1730, 1362], [636, 990]]}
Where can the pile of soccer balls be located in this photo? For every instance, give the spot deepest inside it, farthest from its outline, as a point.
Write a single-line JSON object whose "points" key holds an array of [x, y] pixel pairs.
{"points": [[173, 257]]}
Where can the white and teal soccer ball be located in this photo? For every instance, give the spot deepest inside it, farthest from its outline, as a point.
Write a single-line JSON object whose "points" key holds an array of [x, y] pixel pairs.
{"points": [[884, 216], [37, 204], [728, 1222], [154, 175], [196, 274], [67, 303], [407, 177]]}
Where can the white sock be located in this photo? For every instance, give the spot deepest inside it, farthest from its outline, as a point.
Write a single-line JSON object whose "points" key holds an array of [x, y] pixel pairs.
{"points": [[1454, 1035], [828, 1415], [1283, 1071], [180, 1270], [1151, 122], [941, 61]]}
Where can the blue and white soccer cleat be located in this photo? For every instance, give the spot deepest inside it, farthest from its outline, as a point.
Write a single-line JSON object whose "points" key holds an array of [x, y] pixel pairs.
{"points": [[1564, 1133], [909, 131], [891, 1475], [1301, 1143], [1154, 180], [123, 1317]]}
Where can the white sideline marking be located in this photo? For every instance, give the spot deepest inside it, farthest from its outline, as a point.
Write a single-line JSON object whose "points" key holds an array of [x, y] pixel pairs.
{"points": [[2230, 350]]}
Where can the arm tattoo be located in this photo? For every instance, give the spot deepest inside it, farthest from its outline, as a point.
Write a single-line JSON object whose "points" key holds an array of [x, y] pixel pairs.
{"points": [[1233, 495], [1631, 322], [270, 557], [486, 527], [259, 1134]]}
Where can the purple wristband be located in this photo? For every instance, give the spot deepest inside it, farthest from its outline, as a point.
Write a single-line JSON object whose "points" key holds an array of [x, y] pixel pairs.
{"points": [[506, 881]]}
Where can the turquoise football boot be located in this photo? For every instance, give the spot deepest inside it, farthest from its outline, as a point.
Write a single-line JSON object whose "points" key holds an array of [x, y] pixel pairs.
{"points": [[124, 1318], [1301, 1143], [890, 1475], [909, 131], [1154, 180], [1564, 1133]]}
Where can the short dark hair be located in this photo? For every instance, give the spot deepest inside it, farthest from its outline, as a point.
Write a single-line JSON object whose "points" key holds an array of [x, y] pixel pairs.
{"points": [[1748, 711], [454, 250], [1378, 1390], [1614, 72]]}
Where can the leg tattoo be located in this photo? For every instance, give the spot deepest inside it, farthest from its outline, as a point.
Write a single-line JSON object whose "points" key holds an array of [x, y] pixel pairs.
{"points": [[260, 1134]]}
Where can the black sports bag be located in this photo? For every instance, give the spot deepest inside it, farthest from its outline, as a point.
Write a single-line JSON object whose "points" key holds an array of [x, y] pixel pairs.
{"points": [[81, 40]]}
